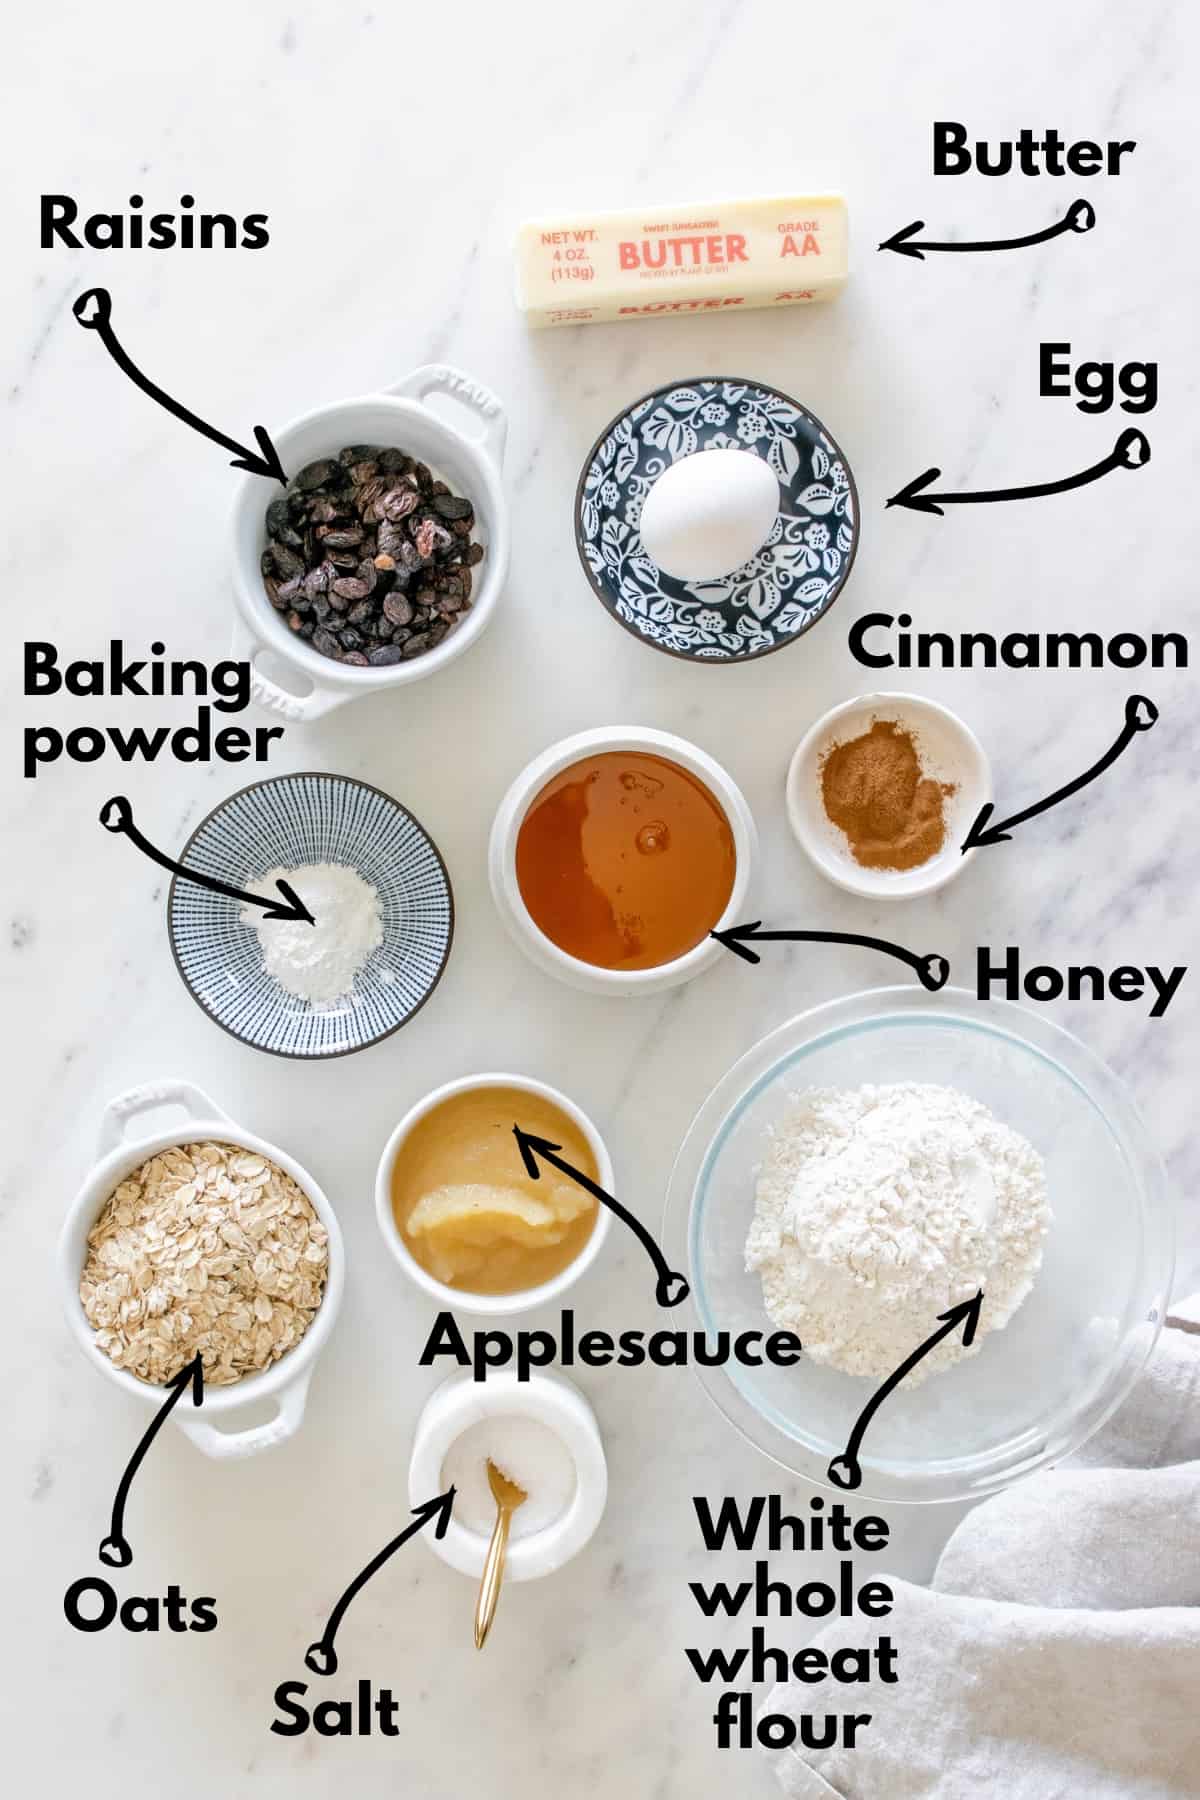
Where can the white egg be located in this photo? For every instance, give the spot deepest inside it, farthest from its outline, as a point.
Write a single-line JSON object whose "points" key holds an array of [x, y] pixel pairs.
{"points": [[708, 513]]}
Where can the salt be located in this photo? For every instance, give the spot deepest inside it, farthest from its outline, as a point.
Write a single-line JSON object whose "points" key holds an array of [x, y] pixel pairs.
{"points": [[525, 1450], [319, 962]]}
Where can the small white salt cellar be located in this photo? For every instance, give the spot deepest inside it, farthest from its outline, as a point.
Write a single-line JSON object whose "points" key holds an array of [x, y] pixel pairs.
{"points": [[543, 1435]]}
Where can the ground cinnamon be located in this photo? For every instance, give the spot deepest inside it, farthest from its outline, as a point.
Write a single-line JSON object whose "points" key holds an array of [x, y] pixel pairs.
{"points": [[876, 791]]}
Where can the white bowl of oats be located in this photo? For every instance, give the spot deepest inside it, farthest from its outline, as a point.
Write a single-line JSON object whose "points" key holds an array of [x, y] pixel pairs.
{"points": [[202, 1239]]}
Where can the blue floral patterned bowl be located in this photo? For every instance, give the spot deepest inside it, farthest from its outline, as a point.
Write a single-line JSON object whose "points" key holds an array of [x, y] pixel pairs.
{"points": [[285, 822], [785, 588]]}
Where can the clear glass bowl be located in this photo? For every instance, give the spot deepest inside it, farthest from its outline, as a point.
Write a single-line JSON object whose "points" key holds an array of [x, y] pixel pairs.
{"points": [[1036, 1389]]}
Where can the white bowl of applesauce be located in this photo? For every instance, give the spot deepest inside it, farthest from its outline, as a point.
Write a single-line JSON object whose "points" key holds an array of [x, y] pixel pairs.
{"points": [[460, 1211]]}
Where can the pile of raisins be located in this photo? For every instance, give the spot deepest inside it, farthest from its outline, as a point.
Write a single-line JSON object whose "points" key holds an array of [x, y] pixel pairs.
{"points": [[369, 558]]}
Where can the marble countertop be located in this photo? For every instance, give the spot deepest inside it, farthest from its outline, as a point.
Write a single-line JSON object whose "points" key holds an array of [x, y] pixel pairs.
{"points": [[394, 150]]}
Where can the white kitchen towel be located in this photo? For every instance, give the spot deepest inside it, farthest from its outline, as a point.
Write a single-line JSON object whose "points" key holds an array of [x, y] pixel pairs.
{"points": [[1056, 1653]]}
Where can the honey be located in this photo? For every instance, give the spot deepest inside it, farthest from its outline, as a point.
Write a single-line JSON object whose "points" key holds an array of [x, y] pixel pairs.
{"points": [[625, 860], [467, 1209]]}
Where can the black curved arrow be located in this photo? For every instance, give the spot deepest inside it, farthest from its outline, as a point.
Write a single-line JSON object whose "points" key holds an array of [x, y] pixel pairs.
{"points": [[1079, 217], [114, 1549], [321, 1657], [670, 1287], [932, 971], [844, 1471], [1136, 720], [93, 310], [1131, 451], [116, 815]]}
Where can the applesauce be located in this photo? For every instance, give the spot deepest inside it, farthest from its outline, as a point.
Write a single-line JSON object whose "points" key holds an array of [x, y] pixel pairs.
{"points": [[466, 1207]]}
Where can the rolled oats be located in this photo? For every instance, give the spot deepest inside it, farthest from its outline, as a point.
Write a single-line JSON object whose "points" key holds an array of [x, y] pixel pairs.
{"points": [[205, 1248]]}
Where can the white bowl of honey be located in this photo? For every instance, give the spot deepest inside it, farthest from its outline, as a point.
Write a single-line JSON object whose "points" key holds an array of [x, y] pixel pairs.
{"points": [[616, 854], [463, 1215]]}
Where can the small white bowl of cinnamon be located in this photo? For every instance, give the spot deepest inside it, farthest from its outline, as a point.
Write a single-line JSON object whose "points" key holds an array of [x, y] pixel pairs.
{"points": [[882, 792]]}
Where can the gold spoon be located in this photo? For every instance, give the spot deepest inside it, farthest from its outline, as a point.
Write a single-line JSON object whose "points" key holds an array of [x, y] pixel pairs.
{"points": [[508, 1496]]}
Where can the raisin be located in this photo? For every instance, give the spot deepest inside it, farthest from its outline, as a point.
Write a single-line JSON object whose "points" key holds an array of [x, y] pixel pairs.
{"points": [[396, 504], [429, 537], [314, 475], [345, 542], [286, 562]]}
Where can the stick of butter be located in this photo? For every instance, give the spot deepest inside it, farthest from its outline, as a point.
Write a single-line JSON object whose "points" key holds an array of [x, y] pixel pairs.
{"points": [[682, 259]]}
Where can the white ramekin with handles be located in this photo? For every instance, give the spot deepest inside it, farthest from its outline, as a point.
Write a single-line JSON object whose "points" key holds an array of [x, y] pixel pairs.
{"points": [[286, 1381], [461, 1299], [554, 1402], [398, 418], [502, 857]]}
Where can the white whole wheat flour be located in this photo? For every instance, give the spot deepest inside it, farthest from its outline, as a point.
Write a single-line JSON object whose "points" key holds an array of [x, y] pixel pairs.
{"points": [[877, 1208], [319, 962]]}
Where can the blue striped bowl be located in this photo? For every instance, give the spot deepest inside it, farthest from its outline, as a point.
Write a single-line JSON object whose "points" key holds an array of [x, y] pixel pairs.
{"points": [[284, 822]]}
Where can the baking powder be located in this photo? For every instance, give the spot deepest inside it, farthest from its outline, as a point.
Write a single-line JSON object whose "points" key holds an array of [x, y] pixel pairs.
{"points": [[319, 962]]}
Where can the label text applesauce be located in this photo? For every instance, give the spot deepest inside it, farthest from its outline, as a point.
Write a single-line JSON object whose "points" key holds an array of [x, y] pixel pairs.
{"points": [[526, 1351]]}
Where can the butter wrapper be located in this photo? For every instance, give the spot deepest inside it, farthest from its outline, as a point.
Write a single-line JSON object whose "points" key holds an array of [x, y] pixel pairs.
{"points": [[660, 262]]}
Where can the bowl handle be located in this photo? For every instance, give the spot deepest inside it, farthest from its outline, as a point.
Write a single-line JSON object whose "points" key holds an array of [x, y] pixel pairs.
{"points": [[469, 393], [298, 709], [227, 1445], [172, 1092]]}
